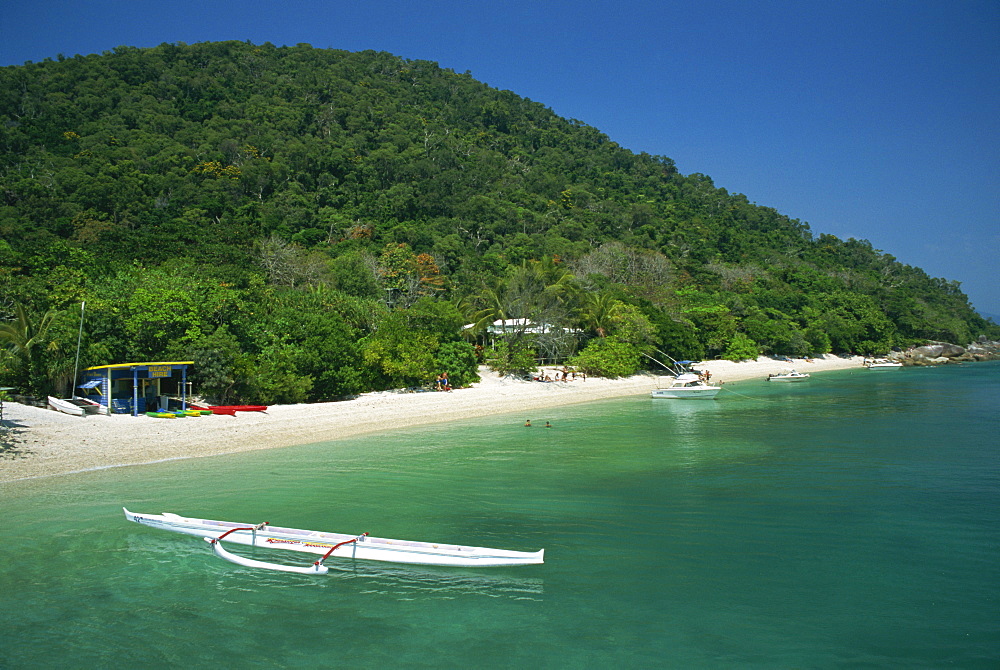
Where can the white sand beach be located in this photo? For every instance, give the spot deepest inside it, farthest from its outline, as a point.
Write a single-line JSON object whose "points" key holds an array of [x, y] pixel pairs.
{"points": [[46, 443]]}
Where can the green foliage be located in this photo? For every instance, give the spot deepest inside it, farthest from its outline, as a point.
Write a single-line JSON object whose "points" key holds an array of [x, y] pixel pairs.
{"points": [[220, 367], [354, 274], [608, 357], [274, 378], [458, 359], [504, 359], [741, 348], [854, 323], [677, 338], [291, 196], [27, 339]]}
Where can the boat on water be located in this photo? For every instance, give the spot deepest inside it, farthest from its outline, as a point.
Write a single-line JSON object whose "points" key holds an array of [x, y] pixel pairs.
{"points": [[325, 544], [788, 376], [883, 364], [684, 385], [74, 406]]}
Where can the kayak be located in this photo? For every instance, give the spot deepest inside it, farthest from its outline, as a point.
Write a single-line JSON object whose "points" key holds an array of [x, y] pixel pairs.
{"points": [[227, 409], [339, 545]]}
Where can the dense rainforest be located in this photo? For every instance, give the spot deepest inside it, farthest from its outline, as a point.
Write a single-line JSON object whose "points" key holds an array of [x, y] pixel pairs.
{"points": [[306, 224]]}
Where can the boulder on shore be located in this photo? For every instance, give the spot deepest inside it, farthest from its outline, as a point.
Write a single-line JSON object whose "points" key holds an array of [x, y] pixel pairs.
{"points": [[939, 353]]}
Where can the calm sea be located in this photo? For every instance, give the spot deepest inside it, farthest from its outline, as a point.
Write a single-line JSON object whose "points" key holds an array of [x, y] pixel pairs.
{"points": [[851, 521]]}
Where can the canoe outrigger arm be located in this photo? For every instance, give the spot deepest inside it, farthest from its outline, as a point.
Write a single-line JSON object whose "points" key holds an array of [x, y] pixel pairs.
{"points": [[338, 546], [314, 569], [317, 568]]}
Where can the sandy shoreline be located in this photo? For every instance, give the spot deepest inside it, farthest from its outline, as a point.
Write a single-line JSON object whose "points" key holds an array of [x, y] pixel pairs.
{"points": [[46, 443]]}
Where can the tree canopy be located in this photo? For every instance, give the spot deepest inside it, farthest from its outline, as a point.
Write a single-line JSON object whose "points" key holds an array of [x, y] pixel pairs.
{"points": [[310, 223]]}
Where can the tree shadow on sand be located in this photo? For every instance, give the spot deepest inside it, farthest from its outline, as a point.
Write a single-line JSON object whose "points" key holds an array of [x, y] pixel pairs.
{"points": [[11, 444]]}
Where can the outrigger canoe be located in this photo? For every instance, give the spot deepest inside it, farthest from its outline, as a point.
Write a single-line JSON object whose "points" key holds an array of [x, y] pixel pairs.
{"points": [[323, 544]]}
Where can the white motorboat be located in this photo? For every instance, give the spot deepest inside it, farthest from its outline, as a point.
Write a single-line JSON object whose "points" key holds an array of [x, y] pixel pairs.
{"points": [[883, 364], [788, 376], [330, 544], [684, 385]]}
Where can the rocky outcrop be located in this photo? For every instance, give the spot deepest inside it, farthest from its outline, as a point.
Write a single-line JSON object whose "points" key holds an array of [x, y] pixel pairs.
{"points": [[939, 353]]}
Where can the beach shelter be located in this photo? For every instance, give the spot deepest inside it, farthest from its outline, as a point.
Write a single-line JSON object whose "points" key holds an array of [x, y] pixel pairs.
{"points": [[135, 388]]}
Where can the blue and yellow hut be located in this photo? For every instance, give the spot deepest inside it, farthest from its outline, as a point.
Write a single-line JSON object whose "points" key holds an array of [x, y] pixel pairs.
{"points": [[135, 388]]}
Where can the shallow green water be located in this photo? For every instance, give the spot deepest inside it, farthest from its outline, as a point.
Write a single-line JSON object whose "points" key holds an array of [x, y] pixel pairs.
{"points": [[850, 521]]}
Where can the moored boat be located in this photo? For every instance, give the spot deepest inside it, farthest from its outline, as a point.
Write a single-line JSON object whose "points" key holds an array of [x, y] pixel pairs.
{"points": [[883, 364], [339, 545], [685, 385], [788, 376]]}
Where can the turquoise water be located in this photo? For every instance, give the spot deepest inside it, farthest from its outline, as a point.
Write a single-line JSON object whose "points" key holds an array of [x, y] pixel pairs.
{"points": [[849, 521]]}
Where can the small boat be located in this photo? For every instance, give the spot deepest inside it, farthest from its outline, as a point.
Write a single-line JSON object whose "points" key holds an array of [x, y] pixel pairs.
{"points": [[161, 415], [74, 406], [685, 385], [324, 544], [788, 376], [883, 364], [231, 409], [187, 412]]}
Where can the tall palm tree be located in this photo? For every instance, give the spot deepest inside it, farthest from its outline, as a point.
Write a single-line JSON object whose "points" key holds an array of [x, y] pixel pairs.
{"points": [[28, 341], [597, 312]]}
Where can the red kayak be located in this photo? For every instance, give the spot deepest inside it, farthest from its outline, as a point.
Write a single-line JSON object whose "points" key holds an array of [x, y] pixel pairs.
{"points": [[232, 409]]}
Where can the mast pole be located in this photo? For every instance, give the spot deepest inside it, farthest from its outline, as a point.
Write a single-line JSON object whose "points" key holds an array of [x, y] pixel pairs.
{"points": [[79, 337]]}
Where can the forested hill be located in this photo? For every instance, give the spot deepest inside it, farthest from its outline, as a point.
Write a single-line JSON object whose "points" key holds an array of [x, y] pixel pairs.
{"points": [[285, 211]]}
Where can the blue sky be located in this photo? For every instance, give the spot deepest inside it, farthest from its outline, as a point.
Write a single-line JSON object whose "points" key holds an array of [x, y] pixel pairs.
{"points": [[875, 120]]}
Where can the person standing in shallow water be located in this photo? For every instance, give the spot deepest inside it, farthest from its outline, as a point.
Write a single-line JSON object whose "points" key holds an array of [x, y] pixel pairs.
{"points": [[527, 424]]}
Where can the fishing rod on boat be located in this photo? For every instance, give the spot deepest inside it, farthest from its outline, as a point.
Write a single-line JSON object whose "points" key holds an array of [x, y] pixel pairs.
{"points": [[672, 369], [677, 367]]}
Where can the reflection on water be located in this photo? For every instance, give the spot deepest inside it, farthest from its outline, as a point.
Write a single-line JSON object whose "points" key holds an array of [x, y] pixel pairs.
{"points": [[426, 581], [179, 558]]}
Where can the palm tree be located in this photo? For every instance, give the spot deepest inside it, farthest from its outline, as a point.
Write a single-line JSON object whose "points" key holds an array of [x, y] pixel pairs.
{"points": [[597, 312], [28, 341]]}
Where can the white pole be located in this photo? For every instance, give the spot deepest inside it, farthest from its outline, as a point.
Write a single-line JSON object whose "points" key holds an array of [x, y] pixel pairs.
{"points": [[79, 336]]}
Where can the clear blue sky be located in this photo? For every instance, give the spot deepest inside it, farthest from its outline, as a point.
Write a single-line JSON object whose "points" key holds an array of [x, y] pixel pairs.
{"points": [[875, 120]]}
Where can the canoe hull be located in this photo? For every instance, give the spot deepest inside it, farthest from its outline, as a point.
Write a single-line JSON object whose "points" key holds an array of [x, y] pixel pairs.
{"points": [[319, 543], [66, 407]]}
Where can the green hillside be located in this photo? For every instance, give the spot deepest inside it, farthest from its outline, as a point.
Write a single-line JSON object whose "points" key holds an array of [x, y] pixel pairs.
{"points": [[307, 223]]}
